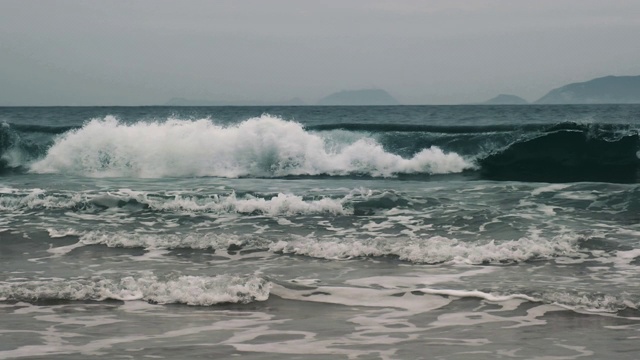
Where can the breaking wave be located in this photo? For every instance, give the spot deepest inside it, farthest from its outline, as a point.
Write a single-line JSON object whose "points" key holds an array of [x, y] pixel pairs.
{"points": [[269, 205], [428, 250], [268, 146], [201, 241], [260, 147], [435, 250], [190, 290]]}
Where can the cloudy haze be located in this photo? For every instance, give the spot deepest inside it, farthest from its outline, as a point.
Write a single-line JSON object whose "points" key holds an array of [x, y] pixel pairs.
{"points": [[422, 52]]}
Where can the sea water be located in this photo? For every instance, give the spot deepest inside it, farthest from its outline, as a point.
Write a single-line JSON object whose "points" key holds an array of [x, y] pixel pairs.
{"points": [[405, 232]]}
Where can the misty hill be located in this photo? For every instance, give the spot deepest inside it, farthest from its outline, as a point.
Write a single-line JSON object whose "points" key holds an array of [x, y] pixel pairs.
{"points": [[359, 97], [504, 99], [604, 90]]}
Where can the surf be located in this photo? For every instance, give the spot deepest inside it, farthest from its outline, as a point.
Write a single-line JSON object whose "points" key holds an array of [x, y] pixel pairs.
{"points": [[265, 146], [271, 147]]}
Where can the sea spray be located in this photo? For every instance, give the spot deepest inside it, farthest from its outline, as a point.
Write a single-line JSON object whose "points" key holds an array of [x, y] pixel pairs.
{"points": [[265, 146]]}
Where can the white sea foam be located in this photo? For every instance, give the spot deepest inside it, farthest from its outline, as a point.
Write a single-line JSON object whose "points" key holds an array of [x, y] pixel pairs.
{"points": [[278, 205], [436, 249], [168, 241], [11, 199], [60, 233], [266, 146], [432, 250], [190, 290], [281, 204], [549, 188]]}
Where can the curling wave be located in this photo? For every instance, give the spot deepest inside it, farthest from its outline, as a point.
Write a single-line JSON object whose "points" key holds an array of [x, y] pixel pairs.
{"points": [[568, 152]]}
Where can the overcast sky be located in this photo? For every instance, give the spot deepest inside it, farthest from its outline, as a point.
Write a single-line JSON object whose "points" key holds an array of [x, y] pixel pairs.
{"points": [[422, 52]]}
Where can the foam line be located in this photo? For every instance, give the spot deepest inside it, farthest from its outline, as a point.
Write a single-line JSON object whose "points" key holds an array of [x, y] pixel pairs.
{"points": [[190, 290]]}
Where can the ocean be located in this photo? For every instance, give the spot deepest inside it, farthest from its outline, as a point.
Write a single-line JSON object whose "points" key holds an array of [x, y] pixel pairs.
{"points": [[402, 232]]}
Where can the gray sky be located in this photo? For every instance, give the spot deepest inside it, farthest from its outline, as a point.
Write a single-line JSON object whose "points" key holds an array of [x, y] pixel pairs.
{"points": [[422, 52]]}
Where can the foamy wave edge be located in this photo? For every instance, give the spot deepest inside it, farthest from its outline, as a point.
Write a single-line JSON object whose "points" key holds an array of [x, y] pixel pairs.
{"points": [[280, 204], [433, 250], [190, 290]]}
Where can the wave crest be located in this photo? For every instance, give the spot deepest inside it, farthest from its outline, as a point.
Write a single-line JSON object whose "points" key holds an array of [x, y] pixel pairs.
{"points": [[190, 290], [266, 146], [280, 204], [435, 250], [568, 152]]}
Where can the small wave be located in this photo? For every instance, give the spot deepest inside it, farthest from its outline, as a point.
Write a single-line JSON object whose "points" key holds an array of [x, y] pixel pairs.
{"points": [[194, 240], [190, 290], [434, 250], [277, 205], [259, 147]]}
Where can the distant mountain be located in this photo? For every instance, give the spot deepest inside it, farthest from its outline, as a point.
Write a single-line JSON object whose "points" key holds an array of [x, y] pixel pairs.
{"points": [[604, 90], [504, 99], [359, 97]]}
